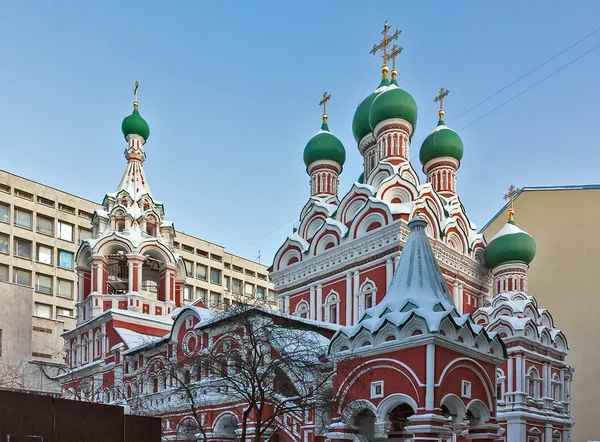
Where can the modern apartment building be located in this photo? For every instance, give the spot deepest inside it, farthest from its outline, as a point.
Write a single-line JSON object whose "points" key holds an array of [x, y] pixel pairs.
{"points": [[40, 231]]}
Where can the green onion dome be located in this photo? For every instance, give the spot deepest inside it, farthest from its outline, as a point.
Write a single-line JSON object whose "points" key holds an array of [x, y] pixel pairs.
{"points": [[394, 102], [361, 178], [360, 123], [442, 142], [324, 146], [134, 124], [510, 244]]}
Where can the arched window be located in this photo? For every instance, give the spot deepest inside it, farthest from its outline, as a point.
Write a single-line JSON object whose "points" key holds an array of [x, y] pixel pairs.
{"points": [[533, 383], [332, 302], [84, 350], [302, 310], [500, 385], [556, 388], [366, 296], [154, 385]]}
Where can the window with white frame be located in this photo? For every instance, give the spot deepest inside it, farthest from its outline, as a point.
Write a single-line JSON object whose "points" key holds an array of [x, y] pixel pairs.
{"points": [[376, 389], [366, 296], [21, 277], [500, 385], [556, 388], [302, 310], [43, 310], [465, 390], [65, 288], [4, 213], [533, 383], [331, 307], [65, 259], [4, 248]]}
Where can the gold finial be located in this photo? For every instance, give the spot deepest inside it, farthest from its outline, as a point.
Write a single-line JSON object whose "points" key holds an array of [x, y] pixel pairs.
{"points": [[135, 102], [387, 39], [323, 102], [442, 94], [512, 192], [395, 51]]}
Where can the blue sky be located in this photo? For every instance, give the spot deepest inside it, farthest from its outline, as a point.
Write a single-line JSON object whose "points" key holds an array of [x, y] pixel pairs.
{"points": [[231, 92]]}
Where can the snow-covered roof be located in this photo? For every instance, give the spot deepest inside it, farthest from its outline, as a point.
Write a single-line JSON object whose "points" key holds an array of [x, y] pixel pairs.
{"points": [[508, 229], [134, 339]]}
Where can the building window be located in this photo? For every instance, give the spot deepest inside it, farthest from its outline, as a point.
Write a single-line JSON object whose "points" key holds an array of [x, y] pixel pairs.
{"points": [[466, 389], [65, 231], [4, 213], [533, 381], [376, 389], [43, 310], [187, 248], [43, 283], [66, 208], [45, 225], [249, 290], [236, 286], [226, 282], [187, 292], [44, 254], [202, 252], [250, 273], [65, 259], [238, 269], [200, 293], [65, 288], [261, 276], [272, 296], [331, 307], [4, 188], [189, 267], [201, 272], [23, 194], [45, 201], [23, 218], [302, 309], [215, 276], [85, 215], [3, 243], [61, 311], [260, 292], [3, 272], [84, 234], [216, 257], [215, 299], [22, 248], [22, 277]]}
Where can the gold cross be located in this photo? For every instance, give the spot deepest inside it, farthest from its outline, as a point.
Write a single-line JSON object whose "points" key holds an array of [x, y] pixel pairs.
{"points": [[396, 50], [323, 102], [512, 192], [442, 94], [385, 42]]}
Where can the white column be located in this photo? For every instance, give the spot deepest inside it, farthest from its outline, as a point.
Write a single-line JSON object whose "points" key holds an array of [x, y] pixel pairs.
{"points": [[519, 373], [548, 435], [80, 286], [389, 273], [356, 283], [430, 379], [461, 298], [396, 261], [287, 304], [509, 375], [455, 293], [319, 305], [348, 299], [546, 381], [130, 265], [312, 302], [563, 387], [168, 287]]}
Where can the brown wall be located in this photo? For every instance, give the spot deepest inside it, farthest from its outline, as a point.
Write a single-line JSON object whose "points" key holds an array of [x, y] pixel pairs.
{"points": [[564, 280], [61, 420]]}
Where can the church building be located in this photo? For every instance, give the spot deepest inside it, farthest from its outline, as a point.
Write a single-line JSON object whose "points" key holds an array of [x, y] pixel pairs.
{"points": [[428, 331]]}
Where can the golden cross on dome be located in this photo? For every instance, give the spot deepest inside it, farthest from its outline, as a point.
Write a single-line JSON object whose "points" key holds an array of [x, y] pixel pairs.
{"points": [[394, 52], [135, 103], [323, 102], [385, 42], [442, 94], [512, 192]]}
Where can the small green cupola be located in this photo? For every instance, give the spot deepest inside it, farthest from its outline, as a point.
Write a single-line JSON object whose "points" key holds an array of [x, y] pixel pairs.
{"points": [[324, 146], [134, 124], [443, 142], [510, 245]]}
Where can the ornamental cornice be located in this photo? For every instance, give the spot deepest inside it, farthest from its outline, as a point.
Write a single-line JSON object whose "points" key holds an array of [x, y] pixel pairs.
{"points": [[379, 243]]}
